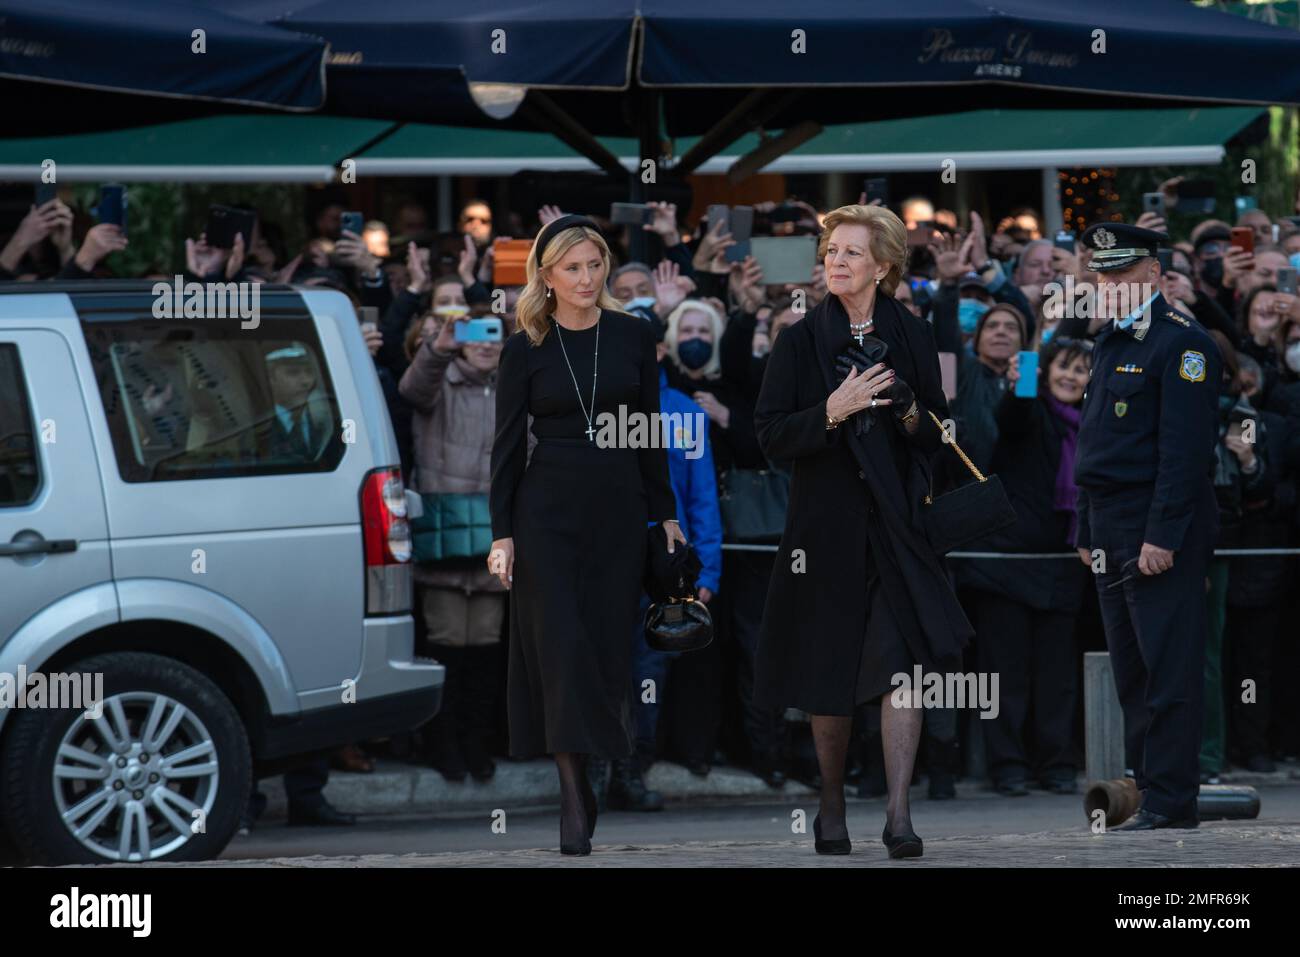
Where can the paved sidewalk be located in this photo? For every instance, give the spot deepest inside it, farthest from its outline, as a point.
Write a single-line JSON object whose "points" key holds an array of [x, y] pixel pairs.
{"points": [[1214, 844], [397, 788]]}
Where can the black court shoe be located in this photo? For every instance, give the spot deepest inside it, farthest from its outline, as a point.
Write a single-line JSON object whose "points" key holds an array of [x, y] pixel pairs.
{"points": [[902, 845], [839, 845]]}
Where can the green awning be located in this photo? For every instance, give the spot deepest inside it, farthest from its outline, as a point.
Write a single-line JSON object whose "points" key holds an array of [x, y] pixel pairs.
{"points": [[983, 139], [290, 148], [253, 148]]}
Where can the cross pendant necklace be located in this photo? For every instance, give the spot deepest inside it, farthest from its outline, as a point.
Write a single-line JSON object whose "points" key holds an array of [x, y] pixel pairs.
{"points": [[595, 362]]}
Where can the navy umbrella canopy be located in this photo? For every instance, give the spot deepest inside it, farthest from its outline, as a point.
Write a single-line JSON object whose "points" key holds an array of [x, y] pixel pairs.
{"points": [[832, 61], [148, 48]]}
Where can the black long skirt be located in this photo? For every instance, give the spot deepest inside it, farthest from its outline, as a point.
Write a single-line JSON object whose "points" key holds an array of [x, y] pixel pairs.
{"points": [[580, 537]]}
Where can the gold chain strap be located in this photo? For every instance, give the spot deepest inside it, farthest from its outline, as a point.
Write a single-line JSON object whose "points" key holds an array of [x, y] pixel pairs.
{"points": [[969, 464]]}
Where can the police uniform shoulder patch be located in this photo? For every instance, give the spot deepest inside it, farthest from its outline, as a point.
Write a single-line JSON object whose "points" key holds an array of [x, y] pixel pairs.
{"points": [[1170, 314], [1192, 367]]}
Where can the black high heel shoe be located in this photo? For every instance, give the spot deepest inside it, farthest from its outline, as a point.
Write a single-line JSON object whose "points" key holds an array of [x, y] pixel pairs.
{"points": [[580, 848], [902, 845], [839, 845]]}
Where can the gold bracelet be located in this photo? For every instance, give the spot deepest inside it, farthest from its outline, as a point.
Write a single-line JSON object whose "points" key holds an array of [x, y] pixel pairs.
{"points": [[832, 422]]}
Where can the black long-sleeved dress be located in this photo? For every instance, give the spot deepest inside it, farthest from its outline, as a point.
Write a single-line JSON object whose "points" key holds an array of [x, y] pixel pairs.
{"points": [[578, 513]]}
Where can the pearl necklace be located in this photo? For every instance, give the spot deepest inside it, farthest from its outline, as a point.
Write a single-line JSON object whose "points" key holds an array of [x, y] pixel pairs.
{"points": [[859, 329]]}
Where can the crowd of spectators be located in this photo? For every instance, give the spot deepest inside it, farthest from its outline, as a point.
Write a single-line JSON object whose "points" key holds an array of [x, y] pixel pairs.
{"points": [[988, 297]]}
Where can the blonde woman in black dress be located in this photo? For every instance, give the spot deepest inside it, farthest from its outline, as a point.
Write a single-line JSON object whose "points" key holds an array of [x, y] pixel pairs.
{"points": [[570, 523]]}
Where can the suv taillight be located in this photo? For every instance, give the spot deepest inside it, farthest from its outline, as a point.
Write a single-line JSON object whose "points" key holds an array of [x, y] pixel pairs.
{"points": [[387, 539]]}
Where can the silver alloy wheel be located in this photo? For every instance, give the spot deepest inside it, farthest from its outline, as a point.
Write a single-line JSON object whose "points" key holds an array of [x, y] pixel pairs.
{"points": [[128, 784]]}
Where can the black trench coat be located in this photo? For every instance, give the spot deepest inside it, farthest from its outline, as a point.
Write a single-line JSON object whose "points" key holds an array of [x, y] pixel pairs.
{"points": [[848, 494]]}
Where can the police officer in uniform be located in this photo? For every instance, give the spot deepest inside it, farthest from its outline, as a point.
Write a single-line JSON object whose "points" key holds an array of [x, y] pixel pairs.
{"points": [[1147, 511]]}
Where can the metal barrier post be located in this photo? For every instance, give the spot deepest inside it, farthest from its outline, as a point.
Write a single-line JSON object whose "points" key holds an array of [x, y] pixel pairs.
{"points": [[1103, 720]]}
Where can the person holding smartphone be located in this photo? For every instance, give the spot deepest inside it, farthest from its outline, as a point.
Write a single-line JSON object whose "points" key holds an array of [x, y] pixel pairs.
{"points": [[1025, 611], [452, 387], [1145, 457]]}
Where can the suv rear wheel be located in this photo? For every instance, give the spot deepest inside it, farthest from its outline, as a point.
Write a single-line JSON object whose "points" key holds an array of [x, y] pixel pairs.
{"points": [[163, 774]]}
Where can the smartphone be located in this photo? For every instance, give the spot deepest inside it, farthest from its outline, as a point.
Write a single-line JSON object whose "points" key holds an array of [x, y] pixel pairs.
{"points": [[742, 227], [1064, 240], [478, 330], [718, 213], [785, 258], [45, 192], [112, 205], [1027, 384], [1243, 237], [877, 187], [1286, 280], [368, 316], [352, 222], [631, 214], [1245, 203], [1154, 203], [1196, 196], [227, 222]]}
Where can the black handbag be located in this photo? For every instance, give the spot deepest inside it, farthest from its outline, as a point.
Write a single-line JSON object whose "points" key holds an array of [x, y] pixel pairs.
{"points": [[676, 621], [753, 504], [968, 512], [678, 625]]}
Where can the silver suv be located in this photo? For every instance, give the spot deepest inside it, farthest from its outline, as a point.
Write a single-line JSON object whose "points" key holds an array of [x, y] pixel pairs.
{"points": [[205, 519]]}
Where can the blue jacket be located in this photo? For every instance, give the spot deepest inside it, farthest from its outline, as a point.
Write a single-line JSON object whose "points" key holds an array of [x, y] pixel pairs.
{"points": [[694, 484]]}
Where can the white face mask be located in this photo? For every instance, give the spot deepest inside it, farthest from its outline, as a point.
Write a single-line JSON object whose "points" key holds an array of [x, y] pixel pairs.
{"points": [[1293, 356]]}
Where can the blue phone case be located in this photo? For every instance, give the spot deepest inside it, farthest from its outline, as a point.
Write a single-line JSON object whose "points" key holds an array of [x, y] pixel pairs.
{"points": [[478, 330], [1027, 384]]}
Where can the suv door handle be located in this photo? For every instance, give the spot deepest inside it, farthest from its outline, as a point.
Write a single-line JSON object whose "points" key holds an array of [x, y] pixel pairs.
{"points": [[39, 546]]}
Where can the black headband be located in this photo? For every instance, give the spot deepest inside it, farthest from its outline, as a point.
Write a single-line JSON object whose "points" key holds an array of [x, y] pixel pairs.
{"points": [[554, 228]]}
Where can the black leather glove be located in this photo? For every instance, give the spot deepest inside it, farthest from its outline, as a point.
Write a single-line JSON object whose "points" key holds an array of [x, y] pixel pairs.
{"points": [[901, 395]]}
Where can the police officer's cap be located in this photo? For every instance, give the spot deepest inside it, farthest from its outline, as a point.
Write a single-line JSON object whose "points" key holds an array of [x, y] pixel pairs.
{"points": [[1119, 245]]}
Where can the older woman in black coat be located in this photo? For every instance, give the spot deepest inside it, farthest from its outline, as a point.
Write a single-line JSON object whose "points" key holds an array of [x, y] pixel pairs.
{"points": [[858, 596]]}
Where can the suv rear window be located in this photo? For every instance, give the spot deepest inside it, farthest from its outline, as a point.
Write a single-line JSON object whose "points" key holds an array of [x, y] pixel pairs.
{"points": [[19, 475], [205, 398]]}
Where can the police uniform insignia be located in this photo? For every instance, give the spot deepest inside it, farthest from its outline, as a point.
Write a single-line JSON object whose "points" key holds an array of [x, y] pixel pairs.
{"points": [[1193, 366], [1121, 409], [1103, 239], [1176, 318]]}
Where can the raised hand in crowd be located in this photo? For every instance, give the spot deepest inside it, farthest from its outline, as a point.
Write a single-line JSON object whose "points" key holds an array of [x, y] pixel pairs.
{"points": [[951, 257], [548, 214], [51, 221], [374, 338], [100, 241], [351, 250], [1237, 263], [201, 259], [670, 287], [417, 267], [709, 253], [664, 224], [745, 283], [1150, 220]]}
